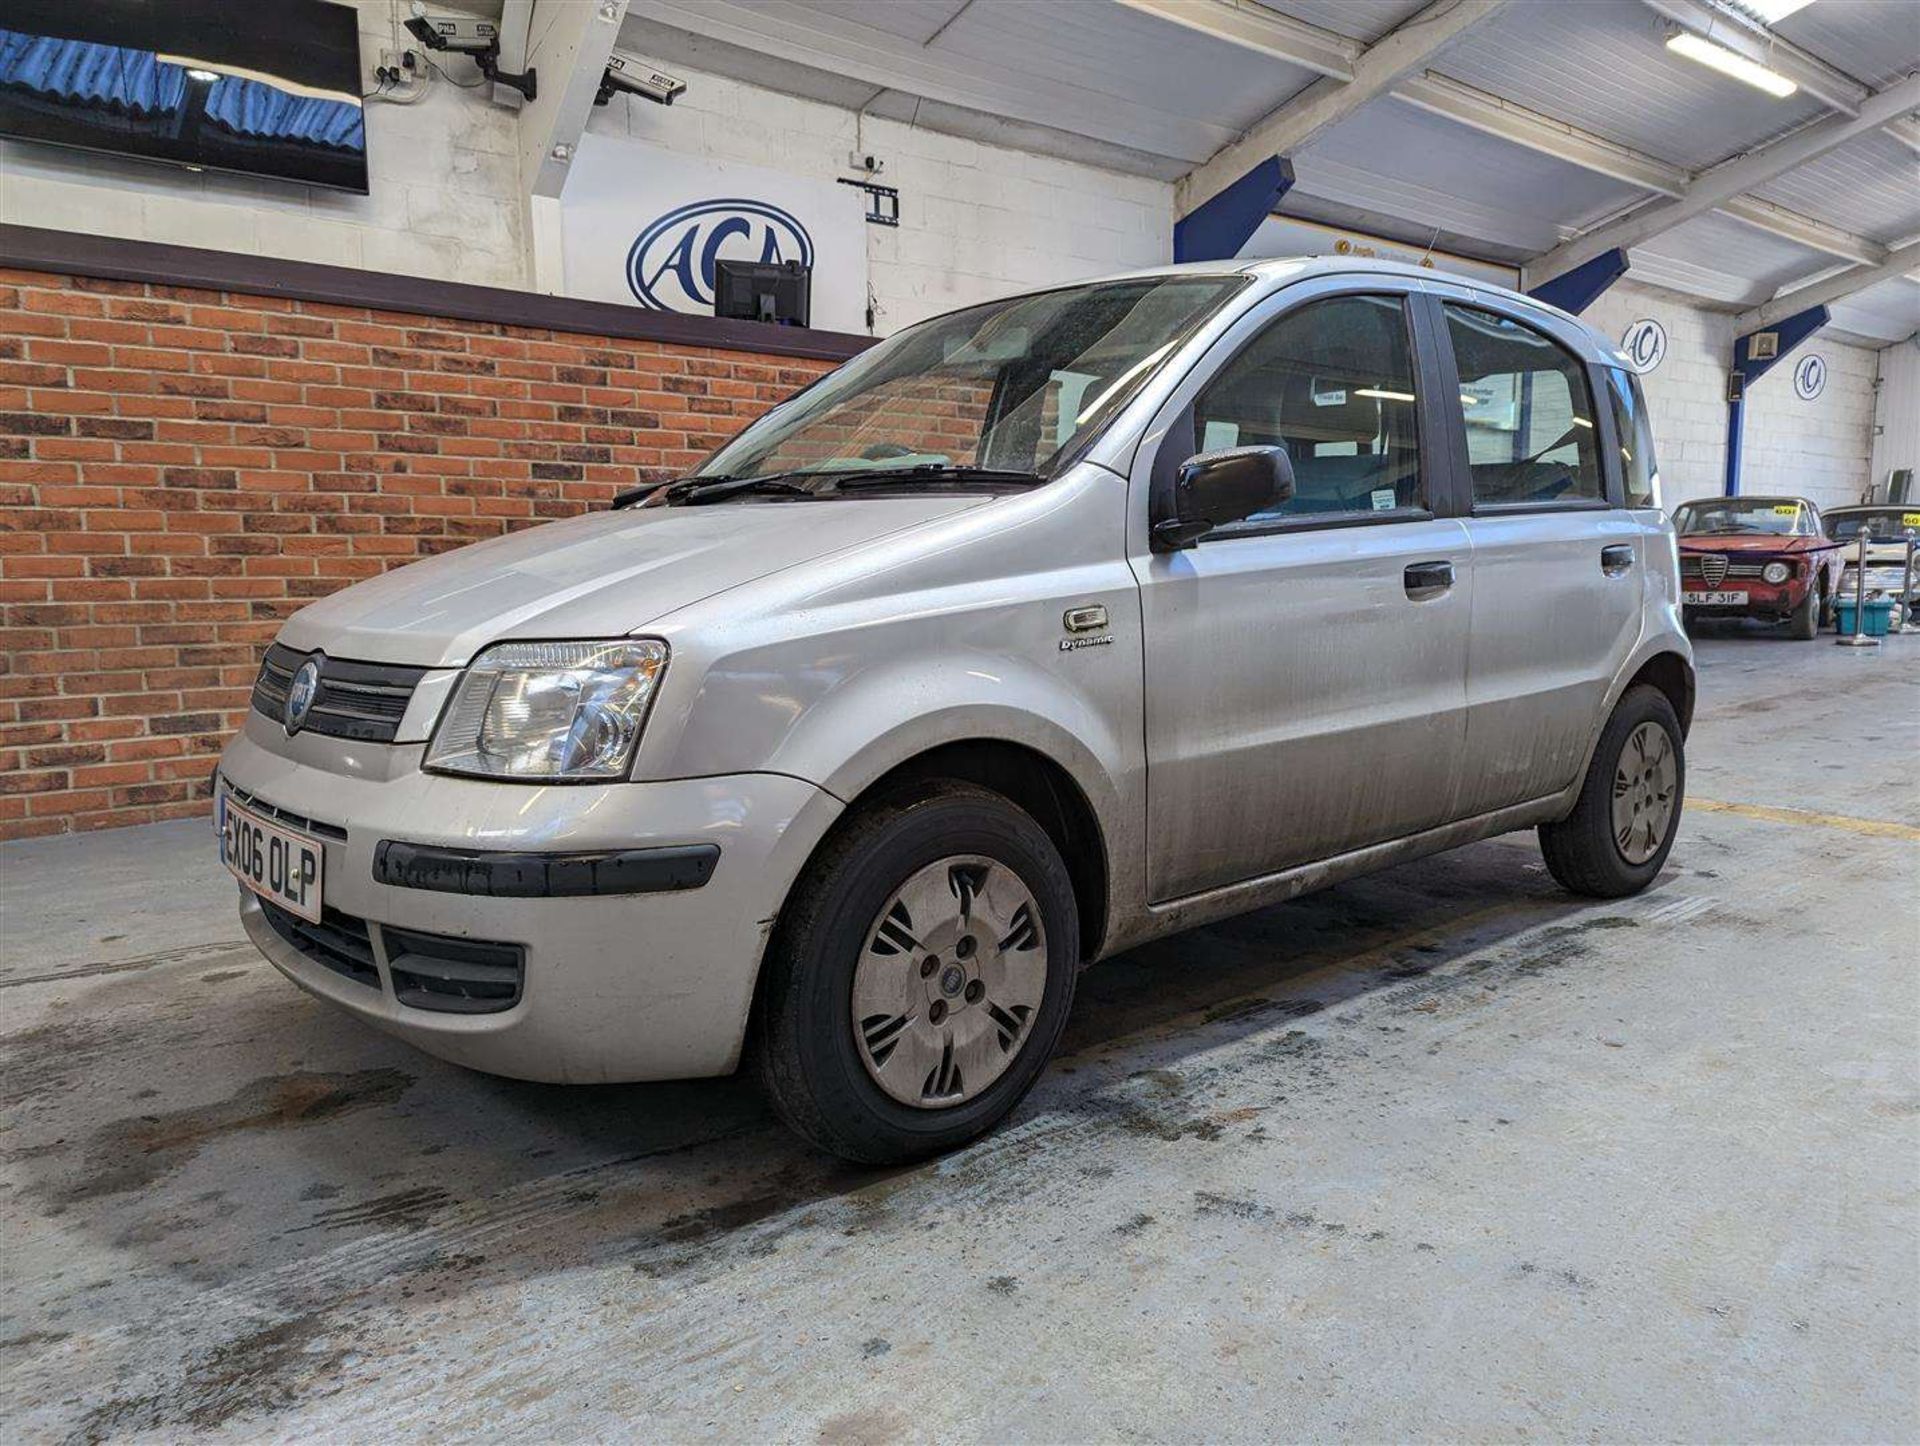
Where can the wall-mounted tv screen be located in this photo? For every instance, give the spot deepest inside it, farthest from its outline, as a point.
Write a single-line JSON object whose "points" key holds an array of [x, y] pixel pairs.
{"points": [[269, 88]]}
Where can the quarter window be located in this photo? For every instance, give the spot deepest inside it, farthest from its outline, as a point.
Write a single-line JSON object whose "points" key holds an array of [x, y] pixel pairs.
{"points": [[1332, 382], [1528, 409], [1638, 471]]}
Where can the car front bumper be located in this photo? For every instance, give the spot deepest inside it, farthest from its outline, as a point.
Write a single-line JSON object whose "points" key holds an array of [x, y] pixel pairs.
{"points": [[617, 986], [1771, 600]]}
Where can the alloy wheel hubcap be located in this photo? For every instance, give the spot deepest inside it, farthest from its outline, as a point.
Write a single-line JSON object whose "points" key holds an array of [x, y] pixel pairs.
{"points": [[1645, 786], [953, 972]]}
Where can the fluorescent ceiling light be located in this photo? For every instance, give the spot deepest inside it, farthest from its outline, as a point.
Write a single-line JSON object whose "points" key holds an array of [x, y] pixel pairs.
{"points": [[1382, 394], [1718, 57], [1773, 11]]}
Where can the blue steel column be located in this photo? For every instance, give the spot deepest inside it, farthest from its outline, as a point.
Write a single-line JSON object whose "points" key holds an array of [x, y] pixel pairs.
{"points": [[1579, 288], [1218, 229], [1794, 330]]}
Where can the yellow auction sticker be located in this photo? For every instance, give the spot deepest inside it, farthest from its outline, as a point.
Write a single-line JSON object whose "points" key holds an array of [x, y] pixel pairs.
{"points": [[1785, 509], [1910, 519]]}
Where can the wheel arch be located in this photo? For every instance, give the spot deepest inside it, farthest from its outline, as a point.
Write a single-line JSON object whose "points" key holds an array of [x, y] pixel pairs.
{"points": [[1672, 674]]}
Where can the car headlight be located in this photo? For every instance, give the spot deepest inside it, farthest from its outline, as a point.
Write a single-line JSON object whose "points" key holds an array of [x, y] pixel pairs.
{"points": [[1776, 572], [542, 711]]}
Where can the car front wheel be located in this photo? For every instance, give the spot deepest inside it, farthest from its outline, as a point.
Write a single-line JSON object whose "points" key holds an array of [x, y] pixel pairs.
{"points": [[920, 976], [1617, 838]]}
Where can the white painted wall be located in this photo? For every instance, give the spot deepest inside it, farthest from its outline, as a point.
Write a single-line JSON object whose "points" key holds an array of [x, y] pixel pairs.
{"points": [[1818, 449], [976, 221], [1897, 411], [444, 182]]}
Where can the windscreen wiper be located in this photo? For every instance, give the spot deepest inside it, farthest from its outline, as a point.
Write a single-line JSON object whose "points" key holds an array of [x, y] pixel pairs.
{"points": [[693, 491], [935, 473]]}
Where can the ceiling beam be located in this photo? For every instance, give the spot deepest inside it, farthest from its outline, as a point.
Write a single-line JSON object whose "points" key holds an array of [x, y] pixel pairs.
{"points": [[1494, 116], [1717, 185], [1907, 132], [1260, 30], [832, 42], [1808, 232], [1500, 118], [1899, 262], [1328, 101]]}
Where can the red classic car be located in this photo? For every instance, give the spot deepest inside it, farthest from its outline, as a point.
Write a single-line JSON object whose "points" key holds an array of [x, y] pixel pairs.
{"points": [[1757, 557]]}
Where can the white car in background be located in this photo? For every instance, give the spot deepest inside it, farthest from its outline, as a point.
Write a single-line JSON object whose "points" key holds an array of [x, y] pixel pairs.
{"points": [[1888, 528]]}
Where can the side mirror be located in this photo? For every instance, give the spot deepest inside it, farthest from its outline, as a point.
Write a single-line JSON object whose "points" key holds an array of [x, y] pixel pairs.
{"points": [[1216, 488]]}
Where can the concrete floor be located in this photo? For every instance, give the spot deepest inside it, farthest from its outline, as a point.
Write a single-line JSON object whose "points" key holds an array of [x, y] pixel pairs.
{"points": [[1442, 1153]]}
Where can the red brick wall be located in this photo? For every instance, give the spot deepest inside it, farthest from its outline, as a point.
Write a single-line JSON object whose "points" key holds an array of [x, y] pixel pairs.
{"points": [[181, 469]]}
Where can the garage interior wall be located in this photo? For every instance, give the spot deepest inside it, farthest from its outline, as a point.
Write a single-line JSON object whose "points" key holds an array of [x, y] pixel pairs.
{"points": [[1896, 439], [976, 221], [443, 175], [1817, 450]]}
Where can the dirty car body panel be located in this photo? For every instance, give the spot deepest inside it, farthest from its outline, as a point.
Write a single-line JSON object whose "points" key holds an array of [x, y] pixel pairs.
{"points": [[1267, 711]]}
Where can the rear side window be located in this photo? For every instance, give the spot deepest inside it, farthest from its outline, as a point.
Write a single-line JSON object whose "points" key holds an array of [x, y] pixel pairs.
{"points": [[1528, 409], [1638, 470], [1332, 382]]}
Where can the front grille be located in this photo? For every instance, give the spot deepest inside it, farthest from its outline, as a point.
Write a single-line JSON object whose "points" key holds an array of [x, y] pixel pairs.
{"points": [[1713, 569], [297, 821], [453, 976], [339, 942], [438, 972], [361, 701]]}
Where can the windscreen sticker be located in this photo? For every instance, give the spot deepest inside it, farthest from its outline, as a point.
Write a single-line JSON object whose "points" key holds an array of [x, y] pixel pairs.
{"points": [[1384, 499], [1910, 519], [1786, 509]]}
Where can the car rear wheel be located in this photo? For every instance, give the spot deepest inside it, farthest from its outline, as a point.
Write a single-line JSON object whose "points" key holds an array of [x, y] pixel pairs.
{"points": [[920, 976], [1616, 840]]}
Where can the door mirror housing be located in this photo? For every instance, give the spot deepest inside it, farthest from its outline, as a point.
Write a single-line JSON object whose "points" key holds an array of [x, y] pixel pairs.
{"points": [[1215, 488]]}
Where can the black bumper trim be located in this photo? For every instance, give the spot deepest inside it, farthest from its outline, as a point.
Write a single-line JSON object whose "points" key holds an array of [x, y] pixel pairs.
{"points": [[543, 876]]}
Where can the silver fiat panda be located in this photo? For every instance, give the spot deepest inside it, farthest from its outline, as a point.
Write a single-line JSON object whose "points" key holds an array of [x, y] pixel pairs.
{"points": [[1041, 629]]}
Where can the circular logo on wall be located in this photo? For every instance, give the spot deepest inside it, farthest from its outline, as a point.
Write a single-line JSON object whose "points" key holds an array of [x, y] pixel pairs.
{"points": [[1645, 344], [1810, 377], [670, 264], [301, 692]]}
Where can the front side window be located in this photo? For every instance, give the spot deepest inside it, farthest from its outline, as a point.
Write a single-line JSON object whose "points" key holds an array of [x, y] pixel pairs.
{"points": [[1528, 409], [1015, 385], [1333, 383], [1638, 471]]}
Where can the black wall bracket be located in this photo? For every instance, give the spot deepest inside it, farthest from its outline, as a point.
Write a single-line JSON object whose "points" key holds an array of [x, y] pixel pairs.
{"points": [[883, 202]]}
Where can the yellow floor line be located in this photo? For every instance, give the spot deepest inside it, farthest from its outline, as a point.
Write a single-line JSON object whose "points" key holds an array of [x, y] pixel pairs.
{"points": [[1872, 827]]}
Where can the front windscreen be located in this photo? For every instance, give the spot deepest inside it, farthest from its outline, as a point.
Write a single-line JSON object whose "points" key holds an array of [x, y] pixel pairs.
{"points": [[1015, 385], [1886, 524], [1731, 516], [270, 89]]}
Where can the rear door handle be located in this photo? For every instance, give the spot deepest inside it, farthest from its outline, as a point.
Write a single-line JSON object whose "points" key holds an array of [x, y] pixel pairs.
{"points": [[1616, 558], [1428, 579]]}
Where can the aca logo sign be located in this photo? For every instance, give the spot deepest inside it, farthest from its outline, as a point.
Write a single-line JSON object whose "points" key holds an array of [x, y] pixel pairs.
{"points": [[670, 264], [1645, 345], [1810, 377]]}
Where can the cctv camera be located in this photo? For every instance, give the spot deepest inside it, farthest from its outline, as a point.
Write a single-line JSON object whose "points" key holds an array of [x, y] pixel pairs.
{"points": [[454, 32], [633, 75]]}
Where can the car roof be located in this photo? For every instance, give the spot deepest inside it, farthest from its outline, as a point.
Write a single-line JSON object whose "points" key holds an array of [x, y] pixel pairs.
{"points": [[1274, 272], [1747, 497]]}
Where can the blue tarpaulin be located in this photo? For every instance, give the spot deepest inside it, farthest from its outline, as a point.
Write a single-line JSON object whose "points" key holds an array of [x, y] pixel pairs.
{"points": [[140, 83]]}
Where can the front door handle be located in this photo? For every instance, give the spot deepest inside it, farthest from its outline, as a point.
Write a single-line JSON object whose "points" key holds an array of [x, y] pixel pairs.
{"points": [[1428, 579], [1616, 558]]}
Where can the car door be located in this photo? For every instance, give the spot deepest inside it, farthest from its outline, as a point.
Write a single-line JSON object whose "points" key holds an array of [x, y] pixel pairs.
{"points": [[1306, 668], [1558, 559]]}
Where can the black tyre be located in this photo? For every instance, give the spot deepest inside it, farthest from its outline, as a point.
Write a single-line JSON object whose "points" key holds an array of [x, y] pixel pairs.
{"points": [[1803, 623], [1826, 605], [920, 976], [1617, 838]]}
